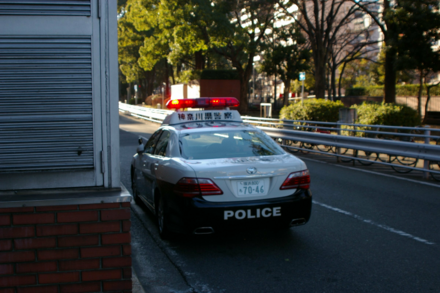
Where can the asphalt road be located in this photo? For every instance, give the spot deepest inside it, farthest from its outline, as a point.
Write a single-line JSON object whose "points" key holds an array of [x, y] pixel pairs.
{"points": [[369, 232]]}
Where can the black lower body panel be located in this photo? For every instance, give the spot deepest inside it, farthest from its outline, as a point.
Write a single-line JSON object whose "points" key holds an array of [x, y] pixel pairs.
{"points": [[188, 215]]}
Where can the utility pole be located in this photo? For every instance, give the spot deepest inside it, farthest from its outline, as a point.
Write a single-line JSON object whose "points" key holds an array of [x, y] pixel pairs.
{"points": [[275, 93], [253, 75], [163, 93]]}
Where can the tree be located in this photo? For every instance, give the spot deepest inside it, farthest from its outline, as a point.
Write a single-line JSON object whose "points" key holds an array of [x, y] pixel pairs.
{"points": [[419, 25], [238, 31], [358, 74], [174, 36], [353, 44], [378, 72], [322, 21], [383, 14], [286, 56], [129, 42]]}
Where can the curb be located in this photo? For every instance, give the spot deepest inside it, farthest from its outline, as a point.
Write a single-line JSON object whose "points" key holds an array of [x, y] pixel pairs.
{"points": [[136, 285]]}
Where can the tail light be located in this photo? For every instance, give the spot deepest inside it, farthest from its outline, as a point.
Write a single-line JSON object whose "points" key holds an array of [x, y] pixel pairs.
{"points": [[297, 180], [192, 187]]}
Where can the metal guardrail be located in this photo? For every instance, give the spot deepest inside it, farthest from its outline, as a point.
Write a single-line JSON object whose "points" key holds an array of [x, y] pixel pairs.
{"points": [[301, 135], [150, 114]]}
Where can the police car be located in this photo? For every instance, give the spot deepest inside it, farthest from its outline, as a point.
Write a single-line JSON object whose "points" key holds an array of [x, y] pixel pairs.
{"points": [[205, 171]]}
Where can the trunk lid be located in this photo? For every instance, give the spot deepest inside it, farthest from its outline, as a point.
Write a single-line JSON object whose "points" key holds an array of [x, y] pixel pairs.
{"points": [[247, 178]]}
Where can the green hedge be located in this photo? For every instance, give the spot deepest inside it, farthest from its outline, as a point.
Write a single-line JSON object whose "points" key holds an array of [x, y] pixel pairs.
{"points": [[219, 74], [386, 114], [356, 91], [368, 113], [401, 90], [372, 91], [313, 110]]}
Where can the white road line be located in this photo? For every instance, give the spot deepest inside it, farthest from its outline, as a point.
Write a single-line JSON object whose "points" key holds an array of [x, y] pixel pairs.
{"points": [[372, 172], [367, 221]]}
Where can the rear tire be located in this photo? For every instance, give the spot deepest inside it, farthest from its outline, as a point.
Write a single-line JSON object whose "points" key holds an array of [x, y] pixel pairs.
{"points": [[162, 218]]}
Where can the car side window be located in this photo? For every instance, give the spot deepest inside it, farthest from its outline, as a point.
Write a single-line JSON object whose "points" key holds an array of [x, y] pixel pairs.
{"points": [[152, 142], [162, 144]]}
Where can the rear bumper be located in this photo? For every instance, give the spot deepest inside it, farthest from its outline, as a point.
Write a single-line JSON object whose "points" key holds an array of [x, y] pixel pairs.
{"points": [[187, 215]]}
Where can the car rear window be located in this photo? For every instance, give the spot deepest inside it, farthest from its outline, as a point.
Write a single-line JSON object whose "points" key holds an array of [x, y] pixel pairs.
{"points": [[227, 144]]}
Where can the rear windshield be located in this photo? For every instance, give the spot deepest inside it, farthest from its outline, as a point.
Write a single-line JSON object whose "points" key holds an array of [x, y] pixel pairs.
{"points": [[227, 144]]}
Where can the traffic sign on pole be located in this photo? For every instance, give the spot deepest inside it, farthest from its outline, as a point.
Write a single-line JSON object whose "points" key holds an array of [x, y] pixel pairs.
{"points": [[302, 77]]}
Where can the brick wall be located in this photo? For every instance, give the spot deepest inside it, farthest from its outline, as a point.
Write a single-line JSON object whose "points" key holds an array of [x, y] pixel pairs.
{"points": [[65, 249]]}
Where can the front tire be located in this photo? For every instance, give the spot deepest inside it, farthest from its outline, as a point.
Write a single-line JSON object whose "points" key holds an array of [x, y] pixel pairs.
{"points": [[136, 198]]}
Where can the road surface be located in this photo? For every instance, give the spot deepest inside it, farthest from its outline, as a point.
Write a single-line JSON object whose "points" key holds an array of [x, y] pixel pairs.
{"points": [[369, 232]]}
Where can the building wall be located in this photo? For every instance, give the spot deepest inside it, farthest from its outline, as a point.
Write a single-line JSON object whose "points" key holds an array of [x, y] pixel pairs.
{"points": [[58, 94], [220, 88], [64, 249]]}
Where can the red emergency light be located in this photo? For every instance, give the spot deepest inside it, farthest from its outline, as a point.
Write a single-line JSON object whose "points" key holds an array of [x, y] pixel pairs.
{"points": [[203, 103]]}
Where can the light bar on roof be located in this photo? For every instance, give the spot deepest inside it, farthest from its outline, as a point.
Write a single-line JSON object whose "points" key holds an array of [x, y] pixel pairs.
{"points": [[221, 102]]}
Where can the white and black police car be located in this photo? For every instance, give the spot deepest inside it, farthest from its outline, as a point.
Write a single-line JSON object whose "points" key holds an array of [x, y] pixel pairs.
{"points": [[205, 171]]}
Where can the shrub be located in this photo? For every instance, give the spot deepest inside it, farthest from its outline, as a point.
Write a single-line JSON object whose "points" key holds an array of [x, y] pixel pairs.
{"points": [[386, 114], [313, 110], [401, 90], [356, 91], [375, 91]]}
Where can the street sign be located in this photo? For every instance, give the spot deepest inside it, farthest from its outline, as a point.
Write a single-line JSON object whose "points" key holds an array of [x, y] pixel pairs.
{"points": [[135, 88], [302, 76]]}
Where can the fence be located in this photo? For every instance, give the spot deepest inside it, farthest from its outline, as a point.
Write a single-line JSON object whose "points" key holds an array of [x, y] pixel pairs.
{"points": [[399, 147]]}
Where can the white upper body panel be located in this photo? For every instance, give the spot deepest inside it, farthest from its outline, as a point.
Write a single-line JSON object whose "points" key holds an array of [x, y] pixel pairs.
{"points": [[244, 162]]}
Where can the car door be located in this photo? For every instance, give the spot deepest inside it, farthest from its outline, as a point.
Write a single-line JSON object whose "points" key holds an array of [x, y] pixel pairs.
{"points": [[153, 162], [144, 163]]}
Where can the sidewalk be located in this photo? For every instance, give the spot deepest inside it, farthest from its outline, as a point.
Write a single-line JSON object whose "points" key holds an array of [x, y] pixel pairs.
{"points": [[137, 287]]}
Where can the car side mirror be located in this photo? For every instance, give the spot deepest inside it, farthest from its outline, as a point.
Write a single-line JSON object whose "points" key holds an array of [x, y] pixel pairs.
{"points": [[140, 149]]}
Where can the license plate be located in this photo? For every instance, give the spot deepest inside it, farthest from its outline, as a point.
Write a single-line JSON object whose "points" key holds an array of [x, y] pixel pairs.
{"points": [[251, 187]]}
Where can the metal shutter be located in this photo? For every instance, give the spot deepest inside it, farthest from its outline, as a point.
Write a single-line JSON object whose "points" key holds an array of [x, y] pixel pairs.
{"points": [[45, 7], [45, 103]]}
